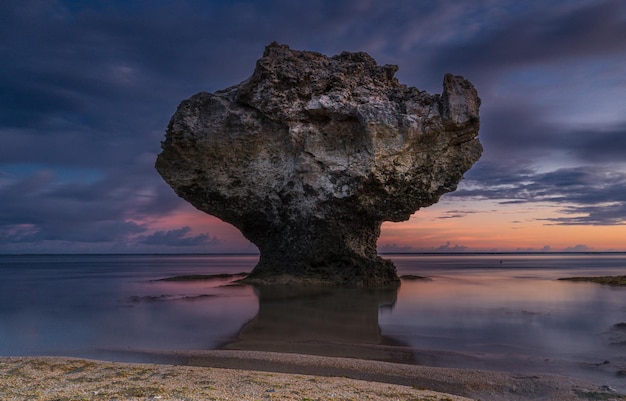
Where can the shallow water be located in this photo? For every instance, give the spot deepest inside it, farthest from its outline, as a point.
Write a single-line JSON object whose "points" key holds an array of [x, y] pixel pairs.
{"points": [[485, 311]]}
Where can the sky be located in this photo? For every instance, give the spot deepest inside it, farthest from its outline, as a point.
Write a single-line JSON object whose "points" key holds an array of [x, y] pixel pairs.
{"points": [[87, 89]]}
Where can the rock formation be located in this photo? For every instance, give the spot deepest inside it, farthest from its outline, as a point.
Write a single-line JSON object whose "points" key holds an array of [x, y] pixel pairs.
{"points": [[311, 154]]}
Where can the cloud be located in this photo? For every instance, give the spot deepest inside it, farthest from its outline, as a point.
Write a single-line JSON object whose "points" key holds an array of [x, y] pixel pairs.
{"points": [[455, 214], [521, 132], [445, 248], [577, 248], [602, 215], [587, 195], [551, 79], [177, 237], [44, 206], [601, 145], [395, 248], [448, 247], [536, 34]]}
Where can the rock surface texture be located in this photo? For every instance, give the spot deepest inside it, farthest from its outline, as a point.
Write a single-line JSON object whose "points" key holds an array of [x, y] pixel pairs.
{"points": [[311, 154]]}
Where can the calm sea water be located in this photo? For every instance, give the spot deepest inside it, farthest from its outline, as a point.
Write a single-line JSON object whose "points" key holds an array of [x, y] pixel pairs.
{"points": [[486, 311]]}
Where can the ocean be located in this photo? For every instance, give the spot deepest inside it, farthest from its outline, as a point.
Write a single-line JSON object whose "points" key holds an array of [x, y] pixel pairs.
{"points": [[486, 311]]}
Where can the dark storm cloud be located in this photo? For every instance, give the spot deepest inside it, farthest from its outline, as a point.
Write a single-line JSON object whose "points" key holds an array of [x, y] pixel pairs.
{"points": [[603, 145], [41, 207], [580, 184], [104, 77], [612, 214], [559, 37], [538, 34], [91, 85], [588, 195], [513, 133]]}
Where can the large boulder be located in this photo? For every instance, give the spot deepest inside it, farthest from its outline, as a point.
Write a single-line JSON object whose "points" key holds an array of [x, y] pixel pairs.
{"points": [[311, 154]]}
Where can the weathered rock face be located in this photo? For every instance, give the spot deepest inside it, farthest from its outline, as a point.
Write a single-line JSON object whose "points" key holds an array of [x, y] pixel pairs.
{"points": [[311, 154]]}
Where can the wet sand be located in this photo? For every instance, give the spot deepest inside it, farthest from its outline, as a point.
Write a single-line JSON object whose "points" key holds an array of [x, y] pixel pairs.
{"points": [[248, 375]]}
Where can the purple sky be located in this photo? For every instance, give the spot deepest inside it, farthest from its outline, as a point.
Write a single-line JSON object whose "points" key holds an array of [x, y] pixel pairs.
{"points": [[88, 87]]}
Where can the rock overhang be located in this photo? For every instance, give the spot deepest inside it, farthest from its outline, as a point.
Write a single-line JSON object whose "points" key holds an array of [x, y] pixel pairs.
{"points": [[312, 153]]}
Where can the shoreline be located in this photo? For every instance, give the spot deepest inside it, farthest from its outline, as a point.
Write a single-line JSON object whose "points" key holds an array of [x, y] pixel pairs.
{"points": [[61, 378], [228, 374]]}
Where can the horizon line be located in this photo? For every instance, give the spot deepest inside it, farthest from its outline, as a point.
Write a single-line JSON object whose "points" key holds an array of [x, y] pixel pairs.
{"points": [[258, 253]]}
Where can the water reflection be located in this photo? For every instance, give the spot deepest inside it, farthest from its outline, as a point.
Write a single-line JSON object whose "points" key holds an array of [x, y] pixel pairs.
{"points": [[321, 321]]}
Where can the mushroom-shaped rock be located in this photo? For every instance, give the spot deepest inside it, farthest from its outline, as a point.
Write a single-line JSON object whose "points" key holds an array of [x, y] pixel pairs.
{"points": [[311, 154]]}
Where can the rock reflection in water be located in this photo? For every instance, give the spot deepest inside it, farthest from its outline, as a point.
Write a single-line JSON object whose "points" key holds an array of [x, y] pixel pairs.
{"points": [[321, 321]]}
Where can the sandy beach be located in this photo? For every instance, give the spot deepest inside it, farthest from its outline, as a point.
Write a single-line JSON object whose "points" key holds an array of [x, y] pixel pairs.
{"points": [[251, 375]]}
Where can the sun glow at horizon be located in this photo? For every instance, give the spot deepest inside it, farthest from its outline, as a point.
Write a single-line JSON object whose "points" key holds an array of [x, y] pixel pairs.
{"points": [[508, 228]]}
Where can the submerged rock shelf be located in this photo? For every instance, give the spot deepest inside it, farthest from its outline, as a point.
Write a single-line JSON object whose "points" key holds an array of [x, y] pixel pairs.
{"points": [[202, 277], [606, 280]]}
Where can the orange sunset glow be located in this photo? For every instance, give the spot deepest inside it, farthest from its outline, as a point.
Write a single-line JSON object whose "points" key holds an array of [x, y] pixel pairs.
{"points": [[502, 230], [475, 227]]}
